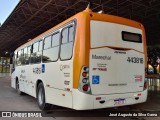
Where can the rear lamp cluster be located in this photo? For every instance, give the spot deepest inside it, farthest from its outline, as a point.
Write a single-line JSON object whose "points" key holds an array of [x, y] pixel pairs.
{"points": [[84, 85], [145, 85]]}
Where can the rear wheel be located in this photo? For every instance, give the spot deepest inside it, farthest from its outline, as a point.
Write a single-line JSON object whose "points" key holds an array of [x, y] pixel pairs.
{"points": [[17, 88], [41, 98]]}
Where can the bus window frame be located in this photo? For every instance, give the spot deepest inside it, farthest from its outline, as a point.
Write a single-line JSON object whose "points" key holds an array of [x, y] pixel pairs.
{"points": [[18, 57], [51, 34], [24, 55], [39, 45], [31, 51], [29, 46], [59, 29], [74, 24]]}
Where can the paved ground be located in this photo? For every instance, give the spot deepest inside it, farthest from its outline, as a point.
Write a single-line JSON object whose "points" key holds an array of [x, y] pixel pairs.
{"points": [[4, 74], [11, 101]]}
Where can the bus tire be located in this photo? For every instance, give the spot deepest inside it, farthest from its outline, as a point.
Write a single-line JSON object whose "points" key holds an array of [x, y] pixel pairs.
{"points": [[17, 88], [41, 98]]}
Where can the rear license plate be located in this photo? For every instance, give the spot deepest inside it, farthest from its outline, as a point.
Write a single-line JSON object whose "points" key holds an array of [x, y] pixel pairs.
{"points": [[119, 102]]}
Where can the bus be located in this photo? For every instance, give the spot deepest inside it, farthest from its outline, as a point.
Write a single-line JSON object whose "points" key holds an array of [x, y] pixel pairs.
{"points": [[89, 61]]}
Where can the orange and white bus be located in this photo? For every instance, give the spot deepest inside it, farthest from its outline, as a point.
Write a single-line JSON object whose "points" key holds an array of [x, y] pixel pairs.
{"points": [[89, 61]]}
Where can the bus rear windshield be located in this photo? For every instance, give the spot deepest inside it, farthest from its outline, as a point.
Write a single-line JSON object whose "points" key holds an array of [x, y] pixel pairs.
{"points": [[131, 37]]}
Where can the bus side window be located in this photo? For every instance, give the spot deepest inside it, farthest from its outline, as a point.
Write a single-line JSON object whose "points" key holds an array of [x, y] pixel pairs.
{"points": [[55, 39], [13, 61], [28, 54], [25, 60], [19, 58], [27, 57], [47, 42], [24, 56], [51, 54], [65, 35], [35, 57], [40, 45], [16, 58], [67, 43], [71, 33], [39, 53]]}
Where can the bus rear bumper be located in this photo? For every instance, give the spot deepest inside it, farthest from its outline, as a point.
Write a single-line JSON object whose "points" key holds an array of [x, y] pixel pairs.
{"points": [[82, 101]]}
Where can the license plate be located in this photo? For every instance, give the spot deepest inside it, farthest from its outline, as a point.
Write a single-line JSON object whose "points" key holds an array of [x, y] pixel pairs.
{"points": [[119, 102]]}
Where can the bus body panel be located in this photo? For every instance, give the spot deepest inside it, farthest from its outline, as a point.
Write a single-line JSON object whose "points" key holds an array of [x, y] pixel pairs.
{"points": [[59, 97], [58, 88], [26, 73], [82, 101], [81, 46], [56, 75], [110, 34], [111, 73], [116, 66]]}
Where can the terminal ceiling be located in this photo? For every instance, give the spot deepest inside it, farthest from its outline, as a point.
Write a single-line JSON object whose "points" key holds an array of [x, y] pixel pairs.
{"points": [[32, 17]]}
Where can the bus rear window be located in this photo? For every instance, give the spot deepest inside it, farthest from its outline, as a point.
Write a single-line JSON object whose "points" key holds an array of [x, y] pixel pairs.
{"points": [[131, 37]]}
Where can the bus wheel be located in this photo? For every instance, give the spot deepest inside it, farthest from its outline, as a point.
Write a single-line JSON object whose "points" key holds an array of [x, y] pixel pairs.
{"points": [[17, 88], [41, 98]]}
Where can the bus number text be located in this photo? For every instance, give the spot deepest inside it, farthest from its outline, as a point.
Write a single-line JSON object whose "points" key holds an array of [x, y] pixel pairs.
{"points": [[135, 60]]}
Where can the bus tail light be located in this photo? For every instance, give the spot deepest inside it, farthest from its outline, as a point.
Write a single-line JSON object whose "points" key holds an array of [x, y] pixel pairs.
{"points": [[84, 74], [84, 85], [145, 85]]}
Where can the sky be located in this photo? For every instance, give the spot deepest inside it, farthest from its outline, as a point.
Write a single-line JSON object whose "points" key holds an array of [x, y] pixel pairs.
{"points": [[6, 7]]}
